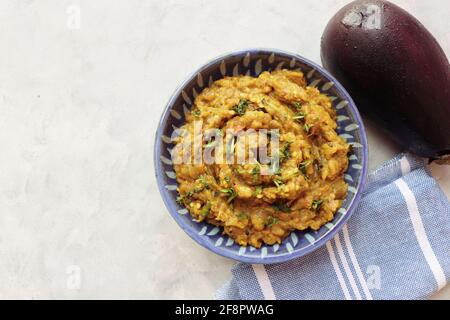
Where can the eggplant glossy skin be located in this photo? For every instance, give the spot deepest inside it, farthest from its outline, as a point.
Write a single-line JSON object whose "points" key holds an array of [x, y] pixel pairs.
{"points": [[395, 71]]}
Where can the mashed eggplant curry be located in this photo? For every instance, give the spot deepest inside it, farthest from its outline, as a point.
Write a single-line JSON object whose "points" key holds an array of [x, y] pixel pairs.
{"points": [[256, 202]]}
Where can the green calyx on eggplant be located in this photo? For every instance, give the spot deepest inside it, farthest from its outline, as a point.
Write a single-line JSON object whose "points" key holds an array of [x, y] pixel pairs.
{"points": [[395, 71]]}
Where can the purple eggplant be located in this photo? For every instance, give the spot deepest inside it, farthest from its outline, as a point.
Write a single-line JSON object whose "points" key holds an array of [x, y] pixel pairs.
{"points": [[395, 71]]}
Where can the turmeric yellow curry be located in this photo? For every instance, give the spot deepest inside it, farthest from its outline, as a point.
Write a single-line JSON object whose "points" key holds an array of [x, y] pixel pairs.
{"points": [[253, 204]]}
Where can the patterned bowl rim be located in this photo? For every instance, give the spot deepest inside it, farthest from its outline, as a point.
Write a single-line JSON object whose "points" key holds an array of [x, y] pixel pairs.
{"points": [[170, 204]]}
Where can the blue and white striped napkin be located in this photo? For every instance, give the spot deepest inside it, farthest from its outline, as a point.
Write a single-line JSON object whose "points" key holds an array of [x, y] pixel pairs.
{"points": [[395, 246]]}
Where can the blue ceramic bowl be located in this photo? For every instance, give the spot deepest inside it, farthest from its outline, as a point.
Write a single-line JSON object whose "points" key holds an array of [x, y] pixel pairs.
{"points": [[253, 62]]}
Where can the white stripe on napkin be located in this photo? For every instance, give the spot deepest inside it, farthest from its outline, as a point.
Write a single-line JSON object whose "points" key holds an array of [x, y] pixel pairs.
{"points": [[421, 236], [355, 263], [404, 165], [338, 271], [347, 270], [264, 281]]}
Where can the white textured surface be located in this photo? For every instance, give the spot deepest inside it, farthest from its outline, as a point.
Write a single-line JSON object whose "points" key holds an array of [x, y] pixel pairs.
{"points": [[79, 109]]}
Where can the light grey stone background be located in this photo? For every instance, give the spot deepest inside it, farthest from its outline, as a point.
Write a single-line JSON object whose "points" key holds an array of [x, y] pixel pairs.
{"points": [[82, 86]]}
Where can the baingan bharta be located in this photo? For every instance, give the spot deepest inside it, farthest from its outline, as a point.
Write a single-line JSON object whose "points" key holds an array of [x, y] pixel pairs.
{"points": [[258, 202]]}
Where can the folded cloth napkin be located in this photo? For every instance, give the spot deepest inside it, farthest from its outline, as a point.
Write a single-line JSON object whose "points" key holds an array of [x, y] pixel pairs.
{"points": [[395, 246]]}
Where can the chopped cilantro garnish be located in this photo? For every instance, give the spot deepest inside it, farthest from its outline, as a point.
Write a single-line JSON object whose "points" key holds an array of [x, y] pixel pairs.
{"points": [[307, 127], [241, 215], [204, 182], [231, 194], [304, 165], [297, 105], [283, 207], [285, 153], [278, 182], [316, 204], [298, 116], [206, 209], [241, 107], [271, 221], [181, 198], [196, 112], [189, 194], [256, 171], [197, 190]]}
